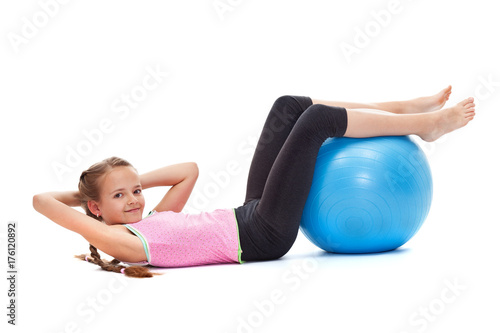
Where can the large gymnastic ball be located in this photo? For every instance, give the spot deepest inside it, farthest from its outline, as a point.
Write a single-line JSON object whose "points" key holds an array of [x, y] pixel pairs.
{"points": [[368, 195]]}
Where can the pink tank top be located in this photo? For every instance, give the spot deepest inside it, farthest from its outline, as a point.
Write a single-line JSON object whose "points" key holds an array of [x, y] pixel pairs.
{"points": [[177, 239]]}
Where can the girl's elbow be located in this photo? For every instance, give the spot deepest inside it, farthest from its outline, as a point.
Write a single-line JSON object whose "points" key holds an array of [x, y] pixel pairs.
{"points": [[40, 201], [194, 169], [37, 201]]}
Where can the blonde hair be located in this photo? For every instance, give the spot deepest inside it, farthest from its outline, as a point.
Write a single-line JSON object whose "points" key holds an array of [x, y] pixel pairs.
{"points": [[89, 188]]}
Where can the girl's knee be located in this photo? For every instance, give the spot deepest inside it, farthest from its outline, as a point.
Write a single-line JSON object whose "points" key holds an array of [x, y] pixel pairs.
{"points": [[284, 100], [285, 111], [324, 120], [296, 102], [288, 108]]}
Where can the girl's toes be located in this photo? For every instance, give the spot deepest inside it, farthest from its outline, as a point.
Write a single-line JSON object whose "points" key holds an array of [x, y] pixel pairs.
{"points": [[466, 101]]}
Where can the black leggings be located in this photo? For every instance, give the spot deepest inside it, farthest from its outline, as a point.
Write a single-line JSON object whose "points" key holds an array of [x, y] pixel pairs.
{"points": [[281, 174]]}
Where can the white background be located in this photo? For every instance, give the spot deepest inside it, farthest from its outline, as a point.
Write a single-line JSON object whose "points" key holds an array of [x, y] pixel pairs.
{"points": [[65, 68]]}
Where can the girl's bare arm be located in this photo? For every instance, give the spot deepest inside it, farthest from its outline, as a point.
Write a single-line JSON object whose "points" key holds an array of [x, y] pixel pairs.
{"points": [[181, 177], [56, 206]]}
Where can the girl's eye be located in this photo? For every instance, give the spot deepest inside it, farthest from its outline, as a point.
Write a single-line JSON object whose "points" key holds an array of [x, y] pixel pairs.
{"points": [[138, 191], [118, 195]]}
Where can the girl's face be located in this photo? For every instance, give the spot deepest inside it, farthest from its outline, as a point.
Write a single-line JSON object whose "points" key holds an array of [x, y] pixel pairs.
{"points": [[121, 199]]}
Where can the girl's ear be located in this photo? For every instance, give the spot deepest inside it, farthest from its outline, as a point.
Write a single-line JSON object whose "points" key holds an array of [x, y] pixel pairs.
{"points": [[94, 208]]}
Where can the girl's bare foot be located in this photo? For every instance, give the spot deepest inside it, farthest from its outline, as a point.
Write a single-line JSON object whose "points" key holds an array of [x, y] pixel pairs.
{"points": [[448, 120], [427, 103]]}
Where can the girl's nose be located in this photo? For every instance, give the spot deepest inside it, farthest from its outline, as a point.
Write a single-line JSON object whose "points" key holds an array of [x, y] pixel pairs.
{"points": [[132, 200]]}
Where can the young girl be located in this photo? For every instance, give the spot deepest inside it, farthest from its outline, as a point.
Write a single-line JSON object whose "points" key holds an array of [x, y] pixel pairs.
{"points": [[266, 225]]}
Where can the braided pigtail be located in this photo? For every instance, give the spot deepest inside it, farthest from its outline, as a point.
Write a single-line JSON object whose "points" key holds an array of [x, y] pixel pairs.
{"points": [[114, 265], [89, 190]]}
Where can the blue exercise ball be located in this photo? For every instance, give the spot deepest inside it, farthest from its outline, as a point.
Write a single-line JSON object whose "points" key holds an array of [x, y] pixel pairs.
{"points": [[368, 195]]}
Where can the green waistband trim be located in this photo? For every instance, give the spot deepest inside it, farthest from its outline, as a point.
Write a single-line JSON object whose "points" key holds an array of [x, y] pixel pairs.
{"points": [[239, 245], [143, 240]]}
